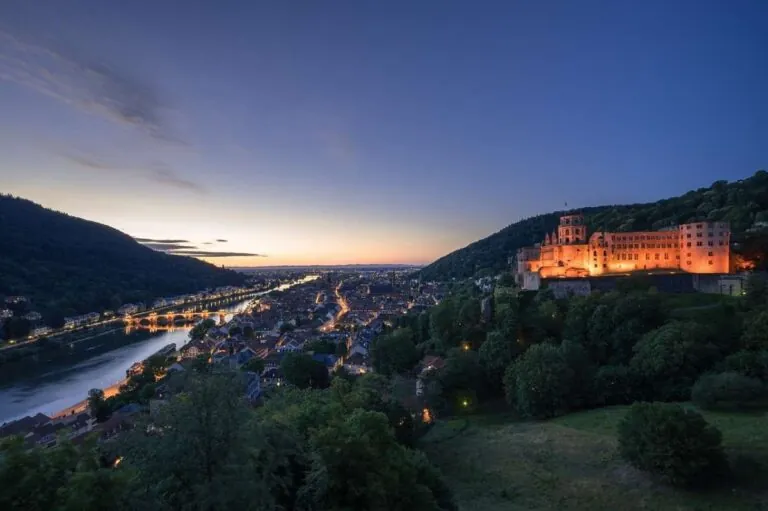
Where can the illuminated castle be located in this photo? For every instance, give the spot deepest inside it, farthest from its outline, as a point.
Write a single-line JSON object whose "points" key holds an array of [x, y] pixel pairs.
{"points": [[701, 247]]}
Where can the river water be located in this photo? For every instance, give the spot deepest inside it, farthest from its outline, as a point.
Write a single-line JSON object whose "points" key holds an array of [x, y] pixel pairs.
{"points": [[50, 387]]}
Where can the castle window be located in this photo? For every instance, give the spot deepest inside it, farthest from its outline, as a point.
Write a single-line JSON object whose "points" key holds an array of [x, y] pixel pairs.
{"points": [[688, 244], [637, 246], [721, 233], [605, 265], [567, 240], [699, 243], [677, 257], [594, 253], [698, 226], [666, 256], [689, 254], [568, 232], [656, 256], [721, 243], [711, 243], [688, 227], [688, 235], [637, 256], [647, 257], [710, 234], [710, 263], [688, 263], [605, 253], [698, 235], [710, 254]]}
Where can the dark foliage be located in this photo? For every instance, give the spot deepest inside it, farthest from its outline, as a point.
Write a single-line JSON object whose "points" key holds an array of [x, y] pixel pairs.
{"points": [[741, 203], [66, 265], [671, 442], [727, 391]]}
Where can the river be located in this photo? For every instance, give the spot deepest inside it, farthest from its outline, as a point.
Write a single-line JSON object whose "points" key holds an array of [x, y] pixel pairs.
{"points": [[53, 386]]}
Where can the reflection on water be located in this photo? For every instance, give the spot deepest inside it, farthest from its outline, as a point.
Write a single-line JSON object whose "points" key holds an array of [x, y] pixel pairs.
{"points": [[50, 386]]}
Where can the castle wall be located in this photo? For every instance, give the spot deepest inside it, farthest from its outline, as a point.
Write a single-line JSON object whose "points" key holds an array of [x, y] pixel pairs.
{"points": [[705, 247], [701, 247]]}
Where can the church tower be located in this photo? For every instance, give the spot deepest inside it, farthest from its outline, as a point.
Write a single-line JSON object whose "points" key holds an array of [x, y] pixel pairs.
{"points": [[572, 230]]}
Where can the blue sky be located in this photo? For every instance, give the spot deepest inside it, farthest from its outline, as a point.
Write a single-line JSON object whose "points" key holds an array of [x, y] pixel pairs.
{"points": [[362, 131]]}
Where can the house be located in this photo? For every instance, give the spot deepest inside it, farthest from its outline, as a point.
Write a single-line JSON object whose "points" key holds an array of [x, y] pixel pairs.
{"points": [[252, 386], [41, 330], [6, 313], [33, 316]]}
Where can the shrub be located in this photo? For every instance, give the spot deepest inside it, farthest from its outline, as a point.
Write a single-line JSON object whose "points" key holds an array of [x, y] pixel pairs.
{"points": [[613, 385], [749, 363], [726, 390], [671, 442]]}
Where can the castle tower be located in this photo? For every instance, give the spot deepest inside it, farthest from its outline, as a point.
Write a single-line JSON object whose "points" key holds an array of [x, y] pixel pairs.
{"points": [[705, 247], [547, 240], [572, 230]]}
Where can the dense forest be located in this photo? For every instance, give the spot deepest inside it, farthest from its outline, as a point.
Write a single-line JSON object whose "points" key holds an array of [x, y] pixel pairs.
{"points": [[743, 203], [66, 265]]}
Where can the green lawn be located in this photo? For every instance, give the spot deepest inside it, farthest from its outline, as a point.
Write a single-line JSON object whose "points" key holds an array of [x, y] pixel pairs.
{"points": [[572, 463]]}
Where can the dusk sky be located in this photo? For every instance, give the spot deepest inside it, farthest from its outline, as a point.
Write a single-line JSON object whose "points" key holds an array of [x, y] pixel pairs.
{"points": [[370, 131]]}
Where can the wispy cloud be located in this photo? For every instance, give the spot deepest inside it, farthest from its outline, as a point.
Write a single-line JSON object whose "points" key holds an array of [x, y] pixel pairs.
{"points": [[156, 171], [204, 253], [167, 247], [163, 174], [151, 240], [221, 241], [93, 87]]}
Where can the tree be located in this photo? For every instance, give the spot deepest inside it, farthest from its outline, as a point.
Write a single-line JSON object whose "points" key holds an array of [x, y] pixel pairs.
{"points": [[394, 352], [539, 382], [200, 329], [62, 477], [495, 355], [341, 350], [755, 334], [674, 443], [235, 330], [727, 390], [753, 364], [206, 456], [613, 385], [462, 377], [301, 370], [97, 405], [359, 465], [670, 358], [254, 365], [248, 332]]}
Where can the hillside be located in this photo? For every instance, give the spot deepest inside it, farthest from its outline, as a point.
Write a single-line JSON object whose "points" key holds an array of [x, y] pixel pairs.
{"points": [[743, 203], [67, 265]]}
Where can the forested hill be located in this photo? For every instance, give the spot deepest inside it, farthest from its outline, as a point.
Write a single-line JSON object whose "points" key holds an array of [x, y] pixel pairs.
{"points": [[743, 203], [67, 265]]}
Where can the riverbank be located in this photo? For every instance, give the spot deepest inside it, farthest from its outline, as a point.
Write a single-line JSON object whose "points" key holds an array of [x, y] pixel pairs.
{"points": [[60, 383], [82, 406]]}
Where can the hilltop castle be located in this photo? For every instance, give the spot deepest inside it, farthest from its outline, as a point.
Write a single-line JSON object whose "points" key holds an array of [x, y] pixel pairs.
{"points": [[700, 247]]}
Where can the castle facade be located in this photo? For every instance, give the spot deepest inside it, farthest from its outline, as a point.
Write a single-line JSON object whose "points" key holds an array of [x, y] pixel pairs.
{"points": [[699, 247]]}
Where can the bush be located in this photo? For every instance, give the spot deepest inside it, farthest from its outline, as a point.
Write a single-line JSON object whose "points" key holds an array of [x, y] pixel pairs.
{"points": [[749, 363], [671, 442], [726, 390], [613, 385]]}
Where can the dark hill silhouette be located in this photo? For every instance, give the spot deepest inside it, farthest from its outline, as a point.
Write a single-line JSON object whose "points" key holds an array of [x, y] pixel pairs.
{"points": [[743, 203], [67, 265]]}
